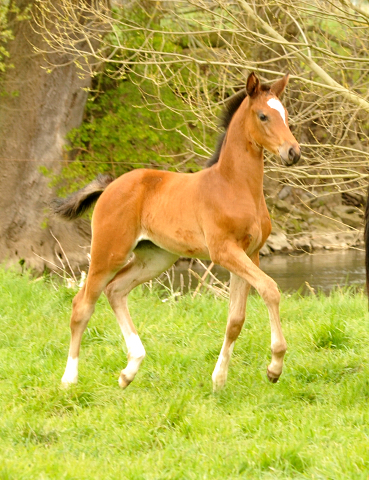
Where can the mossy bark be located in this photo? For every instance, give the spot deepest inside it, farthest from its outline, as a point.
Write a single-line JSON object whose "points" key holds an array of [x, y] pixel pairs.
{"points": [[39, 104]]}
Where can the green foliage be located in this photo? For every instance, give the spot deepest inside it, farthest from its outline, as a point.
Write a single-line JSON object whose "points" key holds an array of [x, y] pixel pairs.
{"points": [[168, 425], [130, 121], [120, 133], [5, 33], [133, 119], [9, 9]]}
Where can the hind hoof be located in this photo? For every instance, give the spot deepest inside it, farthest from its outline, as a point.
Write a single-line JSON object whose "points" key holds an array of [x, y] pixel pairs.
{"points": [[123, 381], [67, 381]]}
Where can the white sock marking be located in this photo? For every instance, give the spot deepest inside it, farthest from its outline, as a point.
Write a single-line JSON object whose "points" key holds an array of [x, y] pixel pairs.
{"points": [[136, 353], [71, 371], [276, 104], [221, 368], [135, 347]]}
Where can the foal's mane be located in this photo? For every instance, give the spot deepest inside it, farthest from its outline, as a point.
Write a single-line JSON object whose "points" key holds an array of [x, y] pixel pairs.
{"points": [[231, 106]]}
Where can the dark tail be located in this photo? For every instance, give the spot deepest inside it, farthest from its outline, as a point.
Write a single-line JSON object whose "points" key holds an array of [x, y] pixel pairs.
{"points": [[74, 206], [366, 241]]}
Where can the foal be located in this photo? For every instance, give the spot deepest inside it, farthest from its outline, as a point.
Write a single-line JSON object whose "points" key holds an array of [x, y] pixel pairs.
{"points": [[146, 219]]}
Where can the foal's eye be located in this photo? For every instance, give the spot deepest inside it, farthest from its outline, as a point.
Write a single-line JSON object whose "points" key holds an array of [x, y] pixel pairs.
{"points": [[263, 117]]}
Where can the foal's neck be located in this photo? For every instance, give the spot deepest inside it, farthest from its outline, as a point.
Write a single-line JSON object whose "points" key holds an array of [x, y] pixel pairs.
{"points": [[241, 160]]}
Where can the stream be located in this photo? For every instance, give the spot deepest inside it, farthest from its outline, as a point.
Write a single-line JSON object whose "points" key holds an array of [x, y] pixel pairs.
{"points": [[322, 271]]}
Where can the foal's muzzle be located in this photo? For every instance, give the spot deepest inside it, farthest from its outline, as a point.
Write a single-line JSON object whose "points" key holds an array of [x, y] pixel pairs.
{"points": [[290, 153]]}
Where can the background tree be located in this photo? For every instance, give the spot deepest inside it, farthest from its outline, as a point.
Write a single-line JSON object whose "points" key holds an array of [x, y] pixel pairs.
{"points": [[39, 104]]}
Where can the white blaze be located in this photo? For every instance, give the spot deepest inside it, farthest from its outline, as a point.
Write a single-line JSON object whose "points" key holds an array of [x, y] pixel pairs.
{"points": [[276, 104]]}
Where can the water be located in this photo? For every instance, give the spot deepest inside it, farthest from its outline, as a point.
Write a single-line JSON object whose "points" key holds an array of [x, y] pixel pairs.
{"points": [[322, 271]]}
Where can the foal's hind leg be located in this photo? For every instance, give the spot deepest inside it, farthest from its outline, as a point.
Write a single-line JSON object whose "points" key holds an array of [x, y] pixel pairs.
{"points": [[239, 290], [148, 262], [83, 307], [107, 258]]}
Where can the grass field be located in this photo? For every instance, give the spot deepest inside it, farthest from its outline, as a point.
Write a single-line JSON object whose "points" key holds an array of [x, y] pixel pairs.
{"points": [[168, 425]]}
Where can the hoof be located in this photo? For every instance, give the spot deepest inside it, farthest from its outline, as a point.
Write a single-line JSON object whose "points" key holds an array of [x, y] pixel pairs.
{"points": [[217, 387], [272, 377], [67, 383], [123, 381], [219, 382]]}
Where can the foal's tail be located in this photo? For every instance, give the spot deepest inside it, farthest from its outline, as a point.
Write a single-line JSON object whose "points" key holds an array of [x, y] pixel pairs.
{"points": [[74, 206], [366, 240]]}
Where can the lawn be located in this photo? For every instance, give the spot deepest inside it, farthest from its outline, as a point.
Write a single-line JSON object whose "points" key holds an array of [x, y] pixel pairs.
{"points": [[168, 425]]}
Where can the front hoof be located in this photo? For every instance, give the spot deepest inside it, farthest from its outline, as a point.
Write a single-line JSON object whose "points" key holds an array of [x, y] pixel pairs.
{"points": [[272, 377], [123, 380], [219, 381], [217, 387]]}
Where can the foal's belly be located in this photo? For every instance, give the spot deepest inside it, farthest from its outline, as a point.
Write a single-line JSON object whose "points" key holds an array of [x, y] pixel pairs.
{"points": [[181, 241], [186, 242]]}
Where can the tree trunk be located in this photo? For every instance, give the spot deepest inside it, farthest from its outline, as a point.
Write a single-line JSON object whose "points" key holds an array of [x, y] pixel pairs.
{"points": [[37, 109]]}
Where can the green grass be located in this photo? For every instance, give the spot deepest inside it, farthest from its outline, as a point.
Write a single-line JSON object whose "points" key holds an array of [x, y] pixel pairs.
{"points": [[168, 425]]}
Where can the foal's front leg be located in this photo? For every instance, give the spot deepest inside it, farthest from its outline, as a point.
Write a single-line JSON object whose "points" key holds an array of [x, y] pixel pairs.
{"points": [[234, 259], [239, 290]]}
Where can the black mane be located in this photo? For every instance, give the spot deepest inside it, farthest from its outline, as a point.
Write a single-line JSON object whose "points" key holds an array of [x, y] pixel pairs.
{"points": [[231, 106], [230, 109]]}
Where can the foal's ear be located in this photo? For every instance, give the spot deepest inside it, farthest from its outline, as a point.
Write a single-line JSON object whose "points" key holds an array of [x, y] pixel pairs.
{"points": [[252, 85], [278, 87]]}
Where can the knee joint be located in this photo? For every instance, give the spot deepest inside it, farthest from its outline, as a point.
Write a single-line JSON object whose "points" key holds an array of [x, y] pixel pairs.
{"points": [[270, 293]]}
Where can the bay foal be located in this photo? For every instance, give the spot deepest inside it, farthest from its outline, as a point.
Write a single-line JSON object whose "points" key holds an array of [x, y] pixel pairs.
{"points": [[146, 219]]}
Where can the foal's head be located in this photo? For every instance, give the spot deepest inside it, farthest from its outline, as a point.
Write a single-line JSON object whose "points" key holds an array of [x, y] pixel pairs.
{"points": [[267, 119]]}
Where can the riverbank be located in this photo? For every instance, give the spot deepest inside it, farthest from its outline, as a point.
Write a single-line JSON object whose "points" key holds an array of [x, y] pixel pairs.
{"points": [[306, 222], [308, 242]]}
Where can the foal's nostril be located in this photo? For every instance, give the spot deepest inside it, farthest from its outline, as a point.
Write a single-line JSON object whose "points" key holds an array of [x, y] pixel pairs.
{"points": [[293, 155]]}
